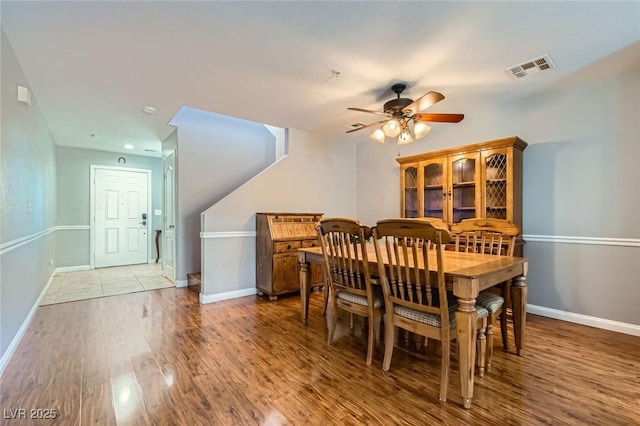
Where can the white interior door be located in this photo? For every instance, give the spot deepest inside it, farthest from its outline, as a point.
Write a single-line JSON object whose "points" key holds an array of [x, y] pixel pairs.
{"points": [[121, 217], [169, 258]]}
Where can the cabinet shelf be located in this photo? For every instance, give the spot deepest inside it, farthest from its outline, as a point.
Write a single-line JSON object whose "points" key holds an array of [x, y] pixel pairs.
{"points": [[464, 208], [413, 188], [496, 180], [433, 187], [497, 207], [463, 184]]}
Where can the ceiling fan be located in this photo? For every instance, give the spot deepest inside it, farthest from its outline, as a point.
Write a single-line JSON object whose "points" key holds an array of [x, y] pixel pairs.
{"points": [[403, 119]]}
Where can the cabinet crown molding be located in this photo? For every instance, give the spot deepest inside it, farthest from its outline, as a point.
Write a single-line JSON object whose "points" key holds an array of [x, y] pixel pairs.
{"points": [[513, 141]]}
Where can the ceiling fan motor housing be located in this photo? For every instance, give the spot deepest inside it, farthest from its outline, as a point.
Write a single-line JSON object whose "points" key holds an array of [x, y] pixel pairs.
{"points": [[395, 106]]}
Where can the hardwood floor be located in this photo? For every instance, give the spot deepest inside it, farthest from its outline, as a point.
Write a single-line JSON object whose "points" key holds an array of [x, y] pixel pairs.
{"points": [[159, 357]]}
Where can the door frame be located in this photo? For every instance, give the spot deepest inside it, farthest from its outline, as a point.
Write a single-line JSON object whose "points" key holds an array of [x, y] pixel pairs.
{"points": [[165, 166], [92, 209]]}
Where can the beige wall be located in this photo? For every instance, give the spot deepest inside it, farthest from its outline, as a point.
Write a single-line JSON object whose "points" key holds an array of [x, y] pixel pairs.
{"points": [[28, 203], [315, 176], [215, 155]]}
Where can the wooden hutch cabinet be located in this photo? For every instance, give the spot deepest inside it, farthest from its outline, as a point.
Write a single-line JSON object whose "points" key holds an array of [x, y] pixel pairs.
{"points": [[479, 180], [278, 238]]}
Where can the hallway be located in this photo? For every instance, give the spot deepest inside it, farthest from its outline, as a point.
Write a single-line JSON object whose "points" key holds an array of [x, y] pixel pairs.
{"points": [[81, 285]]}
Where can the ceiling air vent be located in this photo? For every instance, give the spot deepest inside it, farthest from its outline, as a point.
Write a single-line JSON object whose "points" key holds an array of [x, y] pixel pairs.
{"points": [[533, 66]]}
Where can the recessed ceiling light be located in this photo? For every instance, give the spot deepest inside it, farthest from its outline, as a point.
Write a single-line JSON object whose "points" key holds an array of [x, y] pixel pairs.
{"points": [[149, 109], [128, 146]]}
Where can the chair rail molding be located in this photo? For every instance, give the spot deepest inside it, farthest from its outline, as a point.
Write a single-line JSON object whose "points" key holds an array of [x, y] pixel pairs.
{"points": [[228, 234], [600, 241], [18, 242]]}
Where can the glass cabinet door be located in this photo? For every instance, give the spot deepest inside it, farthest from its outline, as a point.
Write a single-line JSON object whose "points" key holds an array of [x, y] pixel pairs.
{"points": [[410, 196], [464, 192], [434, 189], [495, 181]]}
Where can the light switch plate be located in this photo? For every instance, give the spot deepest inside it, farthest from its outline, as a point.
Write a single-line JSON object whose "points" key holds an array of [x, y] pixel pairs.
{"points": [[24, 95], [157, 212]]}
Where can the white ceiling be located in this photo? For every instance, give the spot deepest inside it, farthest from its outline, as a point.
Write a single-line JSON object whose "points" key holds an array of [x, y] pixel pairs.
{"points": [[93, 65]]}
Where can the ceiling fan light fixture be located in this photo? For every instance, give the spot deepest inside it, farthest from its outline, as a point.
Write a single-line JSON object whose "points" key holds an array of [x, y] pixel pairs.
{"points": [[378, 135], [391, 128], [405, 137], [421, 129]]}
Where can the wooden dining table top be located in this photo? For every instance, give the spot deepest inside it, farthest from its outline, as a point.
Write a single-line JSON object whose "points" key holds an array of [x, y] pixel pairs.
{"points": [[456, 264]]}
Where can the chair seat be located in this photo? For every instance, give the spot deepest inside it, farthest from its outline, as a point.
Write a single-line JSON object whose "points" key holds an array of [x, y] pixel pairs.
{"points": [[434, 319], [378, 300], [491, 302]]}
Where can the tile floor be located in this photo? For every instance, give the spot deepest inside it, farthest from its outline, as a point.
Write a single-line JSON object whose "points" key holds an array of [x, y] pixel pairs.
{"points": [[80, 285]]}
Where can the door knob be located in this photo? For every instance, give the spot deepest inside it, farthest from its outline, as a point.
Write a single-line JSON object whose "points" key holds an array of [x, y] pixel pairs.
{"points": [[144, 223]]}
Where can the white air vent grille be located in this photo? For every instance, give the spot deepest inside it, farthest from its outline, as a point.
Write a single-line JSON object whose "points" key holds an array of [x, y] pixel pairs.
{"points": [[533, 66]]}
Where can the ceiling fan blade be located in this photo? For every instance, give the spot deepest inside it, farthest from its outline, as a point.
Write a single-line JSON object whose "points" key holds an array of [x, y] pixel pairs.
{"points": [[423, 102], [367, 110], [365, 126], [439, 118]]}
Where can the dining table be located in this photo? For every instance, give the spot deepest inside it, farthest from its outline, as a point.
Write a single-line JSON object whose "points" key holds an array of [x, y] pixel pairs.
{"points": [[466, 275]]}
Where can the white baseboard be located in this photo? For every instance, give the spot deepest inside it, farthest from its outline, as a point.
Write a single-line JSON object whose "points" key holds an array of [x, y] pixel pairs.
{"points": [[6, 356], [73, 268], [620, 327], [181, 283], [210, 298]]}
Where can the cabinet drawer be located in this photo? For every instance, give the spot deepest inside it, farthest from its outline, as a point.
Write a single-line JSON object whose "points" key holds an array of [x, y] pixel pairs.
{"points": [[284, 246], [310, 243]]}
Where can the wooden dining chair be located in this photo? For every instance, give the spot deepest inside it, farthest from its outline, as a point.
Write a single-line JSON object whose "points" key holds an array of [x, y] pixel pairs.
{"points": [[496, 237], [436, 222], [343, 242], [404, 245]]}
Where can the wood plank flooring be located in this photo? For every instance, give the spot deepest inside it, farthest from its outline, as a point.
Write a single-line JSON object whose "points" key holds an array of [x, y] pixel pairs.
{"points": [[161, 358]]}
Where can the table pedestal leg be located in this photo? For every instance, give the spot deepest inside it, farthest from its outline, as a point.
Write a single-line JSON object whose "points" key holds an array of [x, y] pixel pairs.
{"points": [[519, 304], [466, 325], [305, 280]]}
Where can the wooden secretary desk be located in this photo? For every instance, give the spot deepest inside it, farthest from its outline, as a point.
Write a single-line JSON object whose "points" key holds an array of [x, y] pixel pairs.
{"points": [[479, 180], [278, 238]]}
